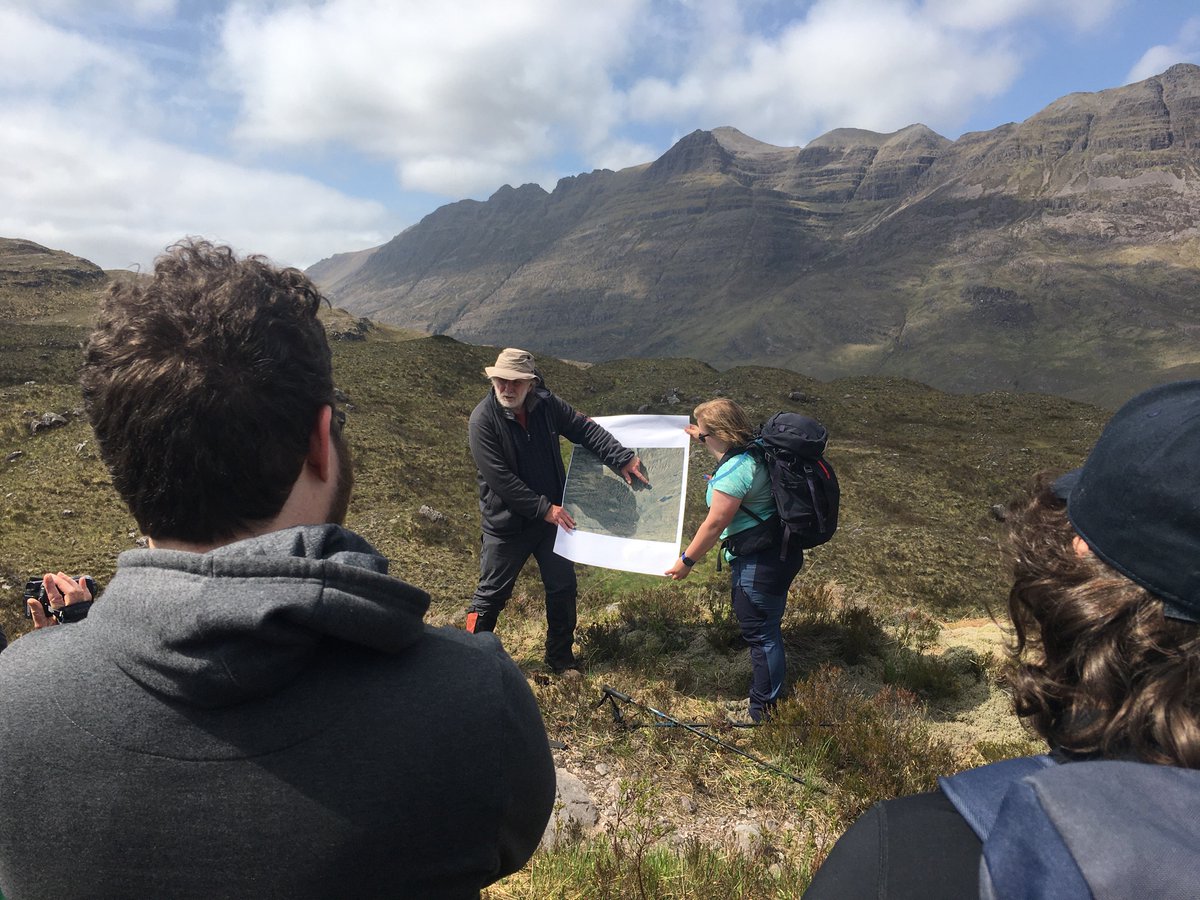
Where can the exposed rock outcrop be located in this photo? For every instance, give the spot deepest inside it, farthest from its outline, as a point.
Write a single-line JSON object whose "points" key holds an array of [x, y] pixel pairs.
{"points": [[1057, 254]]}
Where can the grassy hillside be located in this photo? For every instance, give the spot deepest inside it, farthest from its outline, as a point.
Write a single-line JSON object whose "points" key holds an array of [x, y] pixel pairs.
{"points": [[880, 702], [920, 469]]}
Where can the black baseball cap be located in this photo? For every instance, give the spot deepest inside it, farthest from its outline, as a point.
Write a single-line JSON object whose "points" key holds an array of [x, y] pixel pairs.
{"points": [[1136, 501]]}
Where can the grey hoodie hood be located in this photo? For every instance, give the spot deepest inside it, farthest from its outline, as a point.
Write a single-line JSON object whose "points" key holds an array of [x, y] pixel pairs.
{"points": [[242, 621], [270, 719]]}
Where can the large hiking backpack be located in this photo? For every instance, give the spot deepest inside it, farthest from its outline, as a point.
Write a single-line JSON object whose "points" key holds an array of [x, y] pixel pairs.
{"points": [[1098, 828], [803, 484]]}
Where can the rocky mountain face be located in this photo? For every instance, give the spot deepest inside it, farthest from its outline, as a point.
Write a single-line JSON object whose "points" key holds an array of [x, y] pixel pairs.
{"points": [[38, 284], [26, 265], [1055, 255]]}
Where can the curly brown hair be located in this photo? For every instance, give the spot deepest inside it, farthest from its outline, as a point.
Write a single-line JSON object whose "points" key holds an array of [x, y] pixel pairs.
{"points": [[203, 385], [1100, 669]]}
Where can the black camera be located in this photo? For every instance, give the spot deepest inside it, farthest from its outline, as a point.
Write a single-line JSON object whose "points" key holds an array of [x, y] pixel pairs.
{"points": [[35, 589]]}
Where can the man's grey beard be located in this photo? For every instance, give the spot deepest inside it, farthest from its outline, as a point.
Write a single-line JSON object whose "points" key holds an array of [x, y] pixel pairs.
{"points": [[512, 404]]}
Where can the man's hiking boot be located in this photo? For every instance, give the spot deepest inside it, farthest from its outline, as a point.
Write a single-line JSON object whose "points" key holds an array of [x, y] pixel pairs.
{"points": [[568, 671], [477, 622]]}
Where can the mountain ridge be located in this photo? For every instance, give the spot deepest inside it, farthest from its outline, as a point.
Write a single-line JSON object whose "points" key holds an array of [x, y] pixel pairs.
{"points": [[1057, 254]]}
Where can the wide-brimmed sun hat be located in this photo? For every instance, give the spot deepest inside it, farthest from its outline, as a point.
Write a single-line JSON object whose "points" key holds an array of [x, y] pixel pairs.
{"points": [[512, 365], [1136, 500]]}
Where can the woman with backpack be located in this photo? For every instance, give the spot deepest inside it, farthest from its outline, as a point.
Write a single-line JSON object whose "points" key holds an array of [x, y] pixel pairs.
{"points": [[742, 515], [1105, 607]]}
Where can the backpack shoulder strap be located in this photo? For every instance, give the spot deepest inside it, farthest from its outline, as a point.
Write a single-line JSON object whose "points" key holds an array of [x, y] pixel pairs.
{"points": [[751, 513], [729, 456], [1026, 855], [754, 450], [977, 793], [996, 801], [757, 451], [1130, 828], [1100, 828]]}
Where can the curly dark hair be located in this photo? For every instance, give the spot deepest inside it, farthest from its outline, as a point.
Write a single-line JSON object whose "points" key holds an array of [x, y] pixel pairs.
{"points": [[1100, 669], [202, 385]]}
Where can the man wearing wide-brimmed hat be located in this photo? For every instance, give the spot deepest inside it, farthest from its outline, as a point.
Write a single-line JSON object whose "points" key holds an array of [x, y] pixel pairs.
{"points": [[514, 434]]}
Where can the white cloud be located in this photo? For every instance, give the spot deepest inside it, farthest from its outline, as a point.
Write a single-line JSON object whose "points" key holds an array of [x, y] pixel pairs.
{"points": [[139, 10], [467, 94], [619, 154], [119, 199], [119, 118], [984, 15], [37, 55], [874, 64], [1158, 59], [1085, 14], [458, 175], [453, 92], [66, 68]]}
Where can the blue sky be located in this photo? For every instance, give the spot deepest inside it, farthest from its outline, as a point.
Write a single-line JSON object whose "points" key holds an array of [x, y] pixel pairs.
{"points": [[303, 128]]}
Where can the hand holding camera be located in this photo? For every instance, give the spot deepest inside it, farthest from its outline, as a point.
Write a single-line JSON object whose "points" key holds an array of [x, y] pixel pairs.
{"points": [[57, 597]]}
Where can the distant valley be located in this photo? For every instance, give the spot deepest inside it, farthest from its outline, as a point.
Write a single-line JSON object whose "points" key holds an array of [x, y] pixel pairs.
{"points": [[1057, 255]]}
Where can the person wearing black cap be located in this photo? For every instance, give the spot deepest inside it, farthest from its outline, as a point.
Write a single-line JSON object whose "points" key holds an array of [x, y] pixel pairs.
{"points": [[1105, 606]]}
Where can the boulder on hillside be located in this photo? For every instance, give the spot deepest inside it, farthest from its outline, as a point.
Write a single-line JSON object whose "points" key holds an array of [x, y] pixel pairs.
{"points": [[46, 421], [574, 810]]}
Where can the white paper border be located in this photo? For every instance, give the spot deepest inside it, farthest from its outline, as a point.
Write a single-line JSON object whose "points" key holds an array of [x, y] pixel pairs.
{"points": [[631, 554]]}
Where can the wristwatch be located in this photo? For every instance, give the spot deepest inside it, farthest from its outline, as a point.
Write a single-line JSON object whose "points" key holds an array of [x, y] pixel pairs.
{"points": [[687, 561]]}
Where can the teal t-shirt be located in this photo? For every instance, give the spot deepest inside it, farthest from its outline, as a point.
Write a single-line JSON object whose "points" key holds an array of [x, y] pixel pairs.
{"points": [[743, 476]]}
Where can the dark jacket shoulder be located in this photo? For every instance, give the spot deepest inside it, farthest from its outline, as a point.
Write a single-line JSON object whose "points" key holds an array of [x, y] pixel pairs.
{"points": [[506, 502], [910, 848]]}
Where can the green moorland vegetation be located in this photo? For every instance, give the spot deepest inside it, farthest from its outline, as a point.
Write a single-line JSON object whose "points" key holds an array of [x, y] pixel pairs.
{"points": [[880, 702]]}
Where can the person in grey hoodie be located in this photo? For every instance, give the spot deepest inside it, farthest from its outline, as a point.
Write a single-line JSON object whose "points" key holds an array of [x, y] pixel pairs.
{"points": [[253, 707]]}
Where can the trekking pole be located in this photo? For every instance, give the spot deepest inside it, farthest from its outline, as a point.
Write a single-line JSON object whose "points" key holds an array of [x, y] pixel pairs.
{"points": [[611, 695], [687, 724]]}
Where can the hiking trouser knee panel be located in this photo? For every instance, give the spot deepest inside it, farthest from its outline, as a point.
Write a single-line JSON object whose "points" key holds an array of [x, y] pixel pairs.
{"points": [[500, 562]]}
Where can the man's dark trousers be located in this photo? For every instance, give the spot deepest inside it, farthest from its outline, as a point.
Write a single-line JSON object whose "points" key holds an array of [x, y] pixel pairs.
{"points": [[501, 560]]}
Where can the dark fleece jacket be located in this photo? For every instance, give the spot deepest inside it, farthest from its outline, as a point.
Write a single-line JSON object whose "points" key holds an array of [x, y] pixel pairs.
{"points": [[269, 719], [507, 503]]}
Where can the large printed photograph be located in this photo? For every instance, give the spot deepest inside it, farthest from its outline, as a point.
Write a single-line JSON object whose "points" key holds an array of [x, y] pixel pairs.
{"points": [[635, 528]]}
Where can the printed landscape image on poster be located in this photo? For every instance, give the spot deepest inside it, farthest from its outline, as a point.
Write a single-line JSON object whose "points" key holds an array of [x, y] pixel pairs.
{"points": [[634, 528], [601, 502]]}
